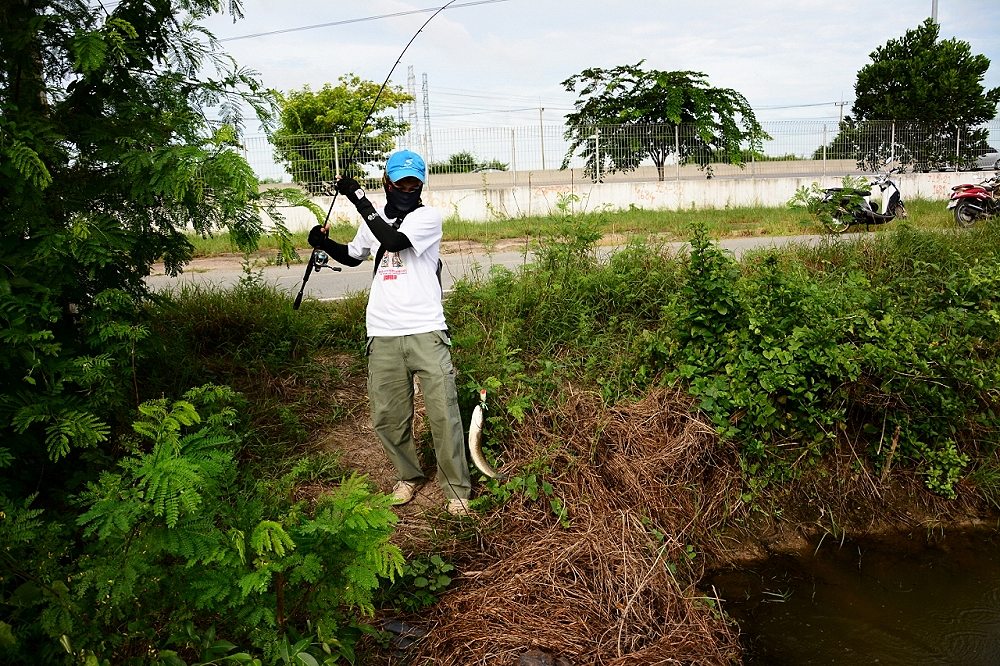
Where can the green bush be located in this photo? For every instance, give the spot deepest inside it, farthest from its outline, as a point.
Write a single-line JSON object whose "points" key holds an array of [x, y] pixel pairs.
{"points": [[174, 532], [787, 352]]}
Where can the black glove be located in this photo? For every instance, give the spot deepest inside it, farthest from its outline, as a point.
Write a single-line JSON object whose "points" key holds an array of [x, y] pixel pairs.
{"points": [[317, 236], [350, 189]]}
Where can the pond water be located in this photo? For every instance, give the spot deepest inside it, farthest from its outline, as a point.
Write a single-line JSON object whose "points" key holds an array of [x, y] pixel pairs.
{"points": [[883, 602]]}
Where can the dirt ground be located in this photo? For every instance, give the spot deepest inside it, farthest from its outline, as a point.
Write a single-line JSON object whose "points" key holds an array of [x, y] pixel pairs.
{"points": [[354, 439]]}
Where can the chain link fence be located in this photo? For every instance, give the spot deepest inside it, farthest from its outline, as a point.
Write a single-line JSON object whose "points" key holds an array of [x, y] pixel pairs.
{"points": [[509, 156]]}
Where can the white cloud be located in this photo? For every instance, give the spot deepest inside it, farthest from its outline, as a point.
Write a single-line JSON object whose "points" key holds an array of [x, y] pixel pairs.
{"points": [[776, 54]]}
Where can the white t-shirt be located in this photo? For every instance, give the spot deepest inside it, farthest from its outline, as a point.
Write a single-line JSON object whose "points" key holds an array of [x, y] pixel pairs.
{"points": [[405, 292]]}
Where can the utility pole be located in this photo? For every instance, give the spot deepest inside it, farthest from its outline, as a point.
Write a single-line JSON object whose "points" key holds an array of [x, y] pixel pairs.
{"points": [[841, 104], [541, 134], [934, 10]]}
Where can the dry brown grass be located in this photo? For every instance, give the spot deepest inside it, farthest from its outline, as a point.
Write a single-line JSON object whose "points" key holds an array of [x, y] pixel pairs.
{"points": [[616, 587]]}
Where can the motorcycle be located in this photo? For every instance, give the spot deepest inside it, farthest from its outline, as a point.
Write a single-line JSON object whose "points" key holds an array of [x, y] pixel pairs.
{"points": [[974, 202], [849, 207]]}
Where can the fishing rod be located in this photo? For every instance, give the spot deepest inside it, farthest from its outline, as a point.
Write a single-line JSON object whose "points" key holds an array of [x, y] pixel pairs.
{"points": [[316, 264], [313, 266]]}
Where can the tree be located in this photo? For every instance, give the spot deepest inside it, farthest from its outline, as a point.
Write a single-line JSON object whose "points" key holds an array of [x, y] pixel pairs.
{"points": [[626, 114], [465, 162], [320, 130], [931, 90], [107, 159]]}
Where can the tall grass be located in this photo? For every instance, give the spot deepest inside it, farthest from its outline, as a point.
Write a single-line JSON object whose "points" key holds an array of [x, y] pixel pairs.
{"points": [[618, 226], [785, 351], [251, 339]]}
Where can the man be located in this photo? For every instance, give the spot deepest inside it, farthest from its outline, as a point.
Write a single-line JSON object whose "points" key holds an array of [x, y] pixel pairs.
{"points": [[407, 333]]}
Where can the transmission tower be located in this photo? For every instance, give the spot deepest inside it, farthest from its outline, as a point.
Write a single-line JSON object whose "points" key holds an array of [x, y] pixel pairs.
{"points": [[428, 151], [411, 88]]}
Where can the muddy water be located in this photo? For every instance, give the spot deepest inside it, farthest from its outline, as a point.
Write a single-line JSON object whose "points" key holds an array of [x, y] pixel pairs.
{"points": [[871, 603]]}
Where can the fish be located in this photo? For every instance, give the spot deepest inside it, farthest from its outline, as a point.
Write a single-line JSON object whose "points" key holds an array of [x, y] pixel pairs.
{"points": [[476, 441]]}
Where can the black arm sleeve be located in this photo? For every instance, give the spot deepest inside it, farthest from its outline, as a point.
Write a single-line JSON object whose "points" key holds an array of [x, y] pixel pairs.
{"points": [[338, 252], [391, 239]]}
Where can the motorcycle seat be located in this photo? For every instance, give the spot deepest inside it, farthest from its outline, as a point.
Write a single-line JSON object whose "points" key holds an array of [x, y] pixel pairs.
{"points": [[849, 190]]}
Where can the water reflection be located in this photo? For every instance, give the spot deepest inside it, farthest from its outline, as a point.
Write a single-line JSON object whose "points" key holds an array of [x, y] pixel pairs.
{"points": [[871, 603]]}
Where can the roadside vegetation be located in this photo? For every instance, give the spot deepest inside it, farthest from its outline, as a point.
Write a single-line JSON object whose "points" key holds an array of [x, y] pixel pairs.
{"points": [[614, 226]]}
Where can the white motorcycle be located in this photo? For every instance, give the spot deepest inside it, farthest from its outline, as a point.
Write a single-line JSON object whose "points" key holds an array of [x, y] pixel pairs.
{"points": [[853, 207]]}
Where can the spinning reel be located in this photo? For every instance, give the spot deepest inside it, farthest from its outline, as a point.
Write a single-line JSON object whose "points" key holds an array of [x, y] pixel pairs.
{"points": [[317, 260]]}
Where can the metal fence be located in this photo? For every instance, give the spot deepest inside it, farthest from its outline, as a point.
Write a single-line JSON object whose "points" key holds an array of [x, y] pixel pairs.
{"points": [[648, 152]]}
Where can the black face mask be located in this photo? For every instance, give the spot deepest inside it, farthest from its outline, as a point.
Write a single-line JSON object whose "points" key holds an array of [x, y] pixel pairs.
{"points": [[400, 203]]}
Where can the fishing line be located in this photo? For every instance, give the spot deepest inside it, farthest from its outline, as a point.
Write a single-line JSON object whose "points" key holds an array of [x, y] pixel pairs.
{"points": [[326, 220], [368, 117]]}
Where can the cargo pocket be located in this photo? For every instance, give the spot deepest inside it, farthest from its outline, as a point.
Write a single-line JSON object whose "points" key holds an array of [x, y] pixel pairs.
{"points": [[443, 337]]}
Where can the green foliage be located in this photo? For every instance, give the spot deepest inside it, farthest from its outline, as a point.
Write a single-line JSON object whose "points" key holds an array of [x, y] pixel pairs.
{"points": [[793, 357], [637, 112], [932, 89], [173, 530], [833, 212], [114, 536], [936, 81], [318, 130], [421, 582], [250, 338], [107, 160], [763, 354], [787, 353], [465, 162]]}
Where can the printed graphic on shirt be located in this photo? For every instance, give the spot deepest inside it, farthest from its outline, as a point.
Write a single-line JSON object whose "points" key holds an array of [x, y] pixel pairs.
{"points": [[392, 266]]}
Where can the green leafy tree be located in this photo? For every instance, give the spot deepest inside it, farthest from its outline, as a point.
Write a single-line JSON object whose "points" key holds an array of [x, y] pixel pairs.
{"points": [[465, 162], [107, 159], [637, 114], [317, 131], [119, 135], [931, 89]]}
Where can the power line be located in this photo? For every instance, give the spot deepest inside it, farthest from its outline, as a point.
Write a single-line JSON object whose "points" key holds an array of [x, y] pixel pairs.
{"points": [[797, 106], [358, 20]]}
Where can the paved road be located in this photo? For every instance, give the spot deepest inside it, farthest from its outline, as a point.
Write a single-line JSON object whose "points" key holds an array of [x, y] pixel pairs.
{"points": [[327, 284]]}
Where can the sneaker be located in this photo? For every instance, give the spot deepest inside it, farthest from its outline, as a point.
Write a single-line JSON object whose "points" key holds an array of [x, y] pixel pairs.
{"points": [[458, 507], [403, 492]]}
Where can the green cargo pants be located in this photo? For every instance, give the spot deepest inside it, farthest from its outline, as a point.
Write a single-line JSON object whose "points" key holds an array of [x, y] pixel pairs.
{"points": [[392, 362]]}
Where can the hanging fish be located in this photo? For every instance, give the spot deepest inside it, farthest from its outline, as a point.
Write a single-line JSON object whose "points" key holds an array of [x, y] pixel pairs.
{"points": [[476, 440]]}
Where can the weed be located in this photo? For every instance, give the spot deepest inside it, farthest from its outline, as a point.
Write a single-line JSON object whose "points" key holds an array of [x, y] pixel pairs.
{"points": [[421, 582]]}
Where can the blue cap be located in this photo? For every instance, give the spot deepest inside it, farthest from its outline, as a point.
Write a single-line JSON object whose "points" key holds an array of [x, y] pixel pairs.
{"points": [[405, 163]]}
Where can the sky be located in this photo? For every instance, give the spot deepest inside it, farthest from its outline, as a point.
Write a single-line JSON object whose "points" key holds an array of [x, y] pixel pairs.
{"points": [[501, 62]]}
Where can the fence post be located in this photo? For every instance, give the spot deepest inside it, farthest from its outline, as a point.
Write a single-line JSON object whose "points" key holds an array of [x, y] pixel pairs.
{"points": [[513, 159], [824, 149], [677, 151], [892, 143], [958, 150], [541, 134], [336, 156], [597, 155]]}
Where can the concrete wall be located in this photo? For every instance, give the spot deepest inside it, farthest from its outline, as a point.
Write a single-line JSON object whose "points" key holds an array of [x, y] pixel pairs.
{"points": [[491, 200]]}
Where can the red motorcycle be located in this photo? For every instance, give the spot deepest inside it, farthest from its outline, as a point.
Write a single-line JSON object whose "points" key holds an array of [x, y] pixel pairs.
{"points": [[974, 202]]}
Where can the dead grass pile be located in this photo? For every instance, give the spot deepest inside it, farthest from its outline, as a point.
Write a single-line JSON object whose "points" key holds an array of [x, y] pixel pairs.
{"points": [[642, 482]]}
